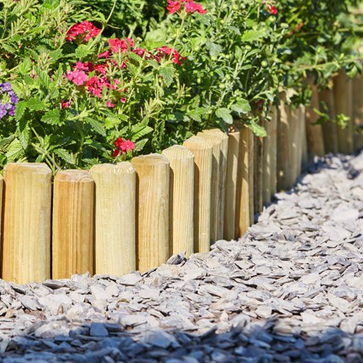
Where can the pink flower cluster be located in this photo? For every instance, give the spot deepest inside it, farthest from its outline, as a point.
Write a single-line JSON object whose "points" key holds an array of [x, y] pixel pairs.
{"points": [[122, 147], [85, 30], [189, 6], [164, 50]]}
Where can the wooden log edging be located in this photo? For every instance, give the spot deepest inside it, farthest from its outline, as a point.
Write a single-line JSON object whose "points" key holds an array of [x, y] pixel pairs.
{"points": [[181, 236], [73, 224], [115, 213], [153, 182], [203, 156], [27, 223]]}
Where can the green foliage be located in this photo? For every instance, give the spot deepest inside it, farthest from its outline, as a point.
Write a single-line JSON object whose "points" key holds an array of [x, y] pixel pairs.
{"points": [[231, 62]]}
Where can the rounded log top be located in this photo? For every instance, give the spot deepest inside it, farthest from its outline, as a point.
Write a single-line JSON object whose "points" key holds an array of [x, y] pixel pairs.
{"points": [[150, 159], [216, 133], [124, 167], [36, 168], [73, 176], [178, 152], [198, 143]]}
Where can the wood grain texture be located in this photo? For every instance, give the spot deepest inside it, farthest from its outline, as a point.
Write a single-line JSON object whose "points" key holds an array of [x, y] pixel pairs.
{"points": [[343, 94], [153, 182], [258, 174], [215, 192], [283, 146], [314, 133], [326, 97], [245, 191], [266, 166], [222, 177], [272, 135], [300, 119], [230, 210], [203, 156], [2, 190], [181, 162], [358, 112], [115, 212], [27, 223], [73, 224]]}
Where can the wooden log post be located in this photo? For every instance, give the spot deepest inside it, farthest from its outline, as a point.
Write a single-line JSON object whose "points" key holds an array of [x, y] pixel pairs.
{"points": [[266, 167], [258, 174], [222, 176], [300, 139], [115, 232], [230, 209], [358, 112], [153, 182], [2, 190], [283, 146], [343, 89], [326, 97], [181, 199], [272, 134], [73, 224], [245, 191], [27, 223], [203, 155], [314, 133]]}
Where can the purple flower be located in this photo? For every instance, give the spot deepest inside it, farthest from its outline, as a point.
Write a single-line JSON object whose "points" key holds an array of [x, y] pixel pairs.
{"points": [[8, 100]]}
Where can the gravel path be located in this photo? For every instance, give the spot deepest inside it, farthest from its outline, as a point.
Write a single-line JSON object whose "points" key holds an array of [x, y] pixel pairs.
{"points": [[290, 291]]}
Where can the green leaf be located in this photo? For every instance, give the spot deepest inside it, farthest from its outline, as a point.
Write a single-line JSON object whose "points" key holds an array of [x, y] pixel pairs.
{"points": [[25, 137], [225, 115], [242, 106], [52, 117], [257, 129], [44, 78], [196, 114], [35, 104], [20, 109], [167, 73], [65, 155], [138, 131], [96, 125], [252, 35], [214, 49], [14, 151], [25, 66], [140, 145]]}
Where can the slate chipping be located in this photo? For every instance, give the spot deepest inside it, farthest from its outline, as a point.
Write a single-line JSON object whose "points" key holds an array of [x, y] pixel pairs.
{"points": [[290, 290]]}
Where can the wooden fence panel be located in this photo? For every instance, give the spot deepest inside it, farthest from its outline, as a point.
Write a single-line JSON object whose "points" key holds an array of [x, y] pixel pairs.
{"points": [[2, 189], [153, 180], [258, 174], [203, 154], [73, 224], [181, 199], [115, 242], [272, 128], [27, 222]]}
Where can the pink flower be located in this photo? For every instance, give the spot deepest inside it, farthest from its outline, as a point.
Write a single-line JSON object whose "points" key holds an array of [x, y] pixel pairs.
{"points": [[191, 7], [101, 68], [123, 99], [122, 146], [86, 30], [173, 6], [273, 10], [167, 50], [104, 54], [121, 44], [87, 66], [65, 104], [139, 51], [110, 104], [77, 77]]}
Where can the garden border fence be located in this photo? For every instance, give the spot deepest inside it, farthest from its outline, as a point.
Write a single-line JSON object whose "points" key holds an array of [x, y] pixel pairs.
{"points": [[117, 218]]}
